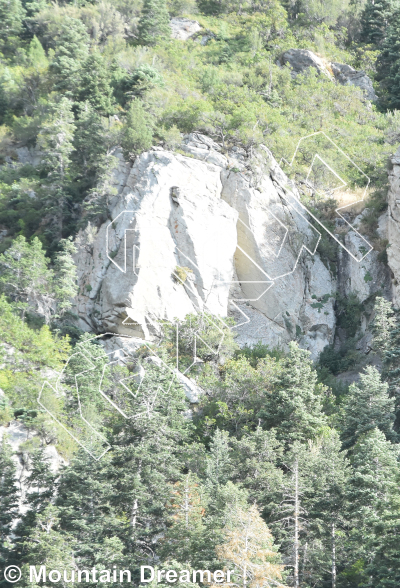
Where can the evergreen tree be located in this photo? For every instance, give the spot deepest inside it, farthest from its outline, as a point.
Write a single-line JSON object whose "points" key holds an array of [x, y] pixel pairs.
{"points": [[98, 200], [36, 54], [186, 535], [218, 462], [65, 276], [8, 500], [367, 406], [385, 567], [40, 491], [71, 51], [255, 460], [375, 20], [327, 472], [148, 456], [25, 276], [372, 494], [46, 545], [154, 22], [386, 330], [383, 324], [55, 140], [85, 502], [137, 134], [294, 407], [95, 85], [389, 62], [12, 14], [290, 515], [89, 143]]}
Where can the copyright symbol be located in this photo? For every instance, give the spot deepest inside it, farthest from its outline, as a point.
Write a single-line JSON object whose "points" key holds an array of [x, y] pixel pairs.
{"points": [[12, 574]]}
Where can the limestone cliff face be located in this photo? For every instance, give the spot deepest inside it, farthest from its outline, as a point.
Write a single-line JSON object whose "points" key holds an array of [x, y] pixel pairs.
{"points": [[207, 232], [393, 227]]}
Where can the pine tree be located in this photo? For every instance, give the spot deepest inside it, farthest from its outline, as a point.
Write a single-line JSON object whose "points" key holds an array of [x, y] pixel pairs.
{"points": [[218, 462], [255, 460], [386, 330], [86, 493], [8, 500], [389, 62], [294, 407], [154, 22], [40, 491], [375, 20], [383, 324], [65, 276], [327, 471], [148, 457], [46, 545], [37, 55], [12, 14], [89, 143], [95, 85], [55, 140], [71, 51], [186, 534], [25, 276], [291, 515], [366, 407], [137, 133], [372, 495]]}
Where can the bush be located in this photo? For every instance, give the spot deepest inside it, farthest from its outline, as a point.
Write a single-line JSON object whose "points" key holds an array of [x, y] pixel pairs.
{"points": [[257, 352]]}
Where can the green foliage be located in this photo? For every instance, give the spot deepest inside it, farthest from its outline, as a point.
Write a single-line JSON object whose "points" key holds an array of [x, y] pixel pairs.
{"points": [[137, 134], [95, 85], [258, 351], [367, 406], [294, 407], [71, 50], [389, 61], [66, 286], [55, 139], [375, 20], [25, 277], [349, 312], [154, 22], [12, 14], [372, 500], [32, 285], [9, 496], [316, 11], [142, 79], [339, 360]]}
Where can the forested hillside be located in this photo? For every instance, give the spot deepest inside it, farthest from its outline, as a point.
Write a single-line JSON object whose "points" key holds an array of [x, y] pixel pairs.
{"points": [[283, 469]]}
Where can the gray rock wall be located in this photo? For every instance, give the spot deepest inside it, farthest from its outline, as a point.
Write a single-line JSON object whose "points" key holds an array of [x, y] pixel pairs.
{"points": [[244, 244]]}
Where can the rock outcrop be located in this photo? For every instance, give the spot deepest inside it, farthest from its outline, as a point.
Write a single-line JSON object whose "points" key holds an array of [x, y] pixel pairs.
{"points": [[302, 59], [347, 75], [203, 233], [184, 28]]}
